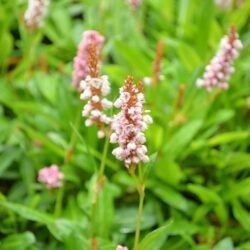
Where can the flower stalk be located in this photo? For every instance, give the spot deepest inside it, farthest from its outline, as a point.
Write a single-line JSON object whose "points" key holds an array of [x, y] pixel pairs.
{"points": [[141, 192], [94, 88], [128, 128]]}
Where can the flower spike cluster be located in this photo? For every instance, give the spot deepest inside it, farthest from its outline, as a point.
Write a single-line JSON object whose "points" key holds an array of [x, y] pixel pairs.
{"points": [[220, 68], [81, 61], [51, 176], [35, 13], [129, 124], [94, 89]]}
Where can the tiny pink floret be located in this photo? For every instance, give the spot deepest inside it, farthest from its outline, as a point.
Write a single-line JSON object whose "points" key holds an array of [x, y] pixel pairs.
{"points": [[51, 176]]}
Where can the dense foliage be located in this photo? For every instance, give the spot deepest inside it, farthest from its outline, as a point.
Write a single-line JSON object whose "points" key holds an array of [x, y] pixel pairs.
{"points": [[198, 177]]}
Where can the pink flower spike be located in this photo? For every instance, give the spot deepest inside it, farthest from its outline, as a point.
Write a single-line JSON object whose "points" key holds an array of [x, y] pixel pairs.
{"points": [[120, 247], [81, 61], [95, 88], [220, 68], [51, 176], [129, 124]]}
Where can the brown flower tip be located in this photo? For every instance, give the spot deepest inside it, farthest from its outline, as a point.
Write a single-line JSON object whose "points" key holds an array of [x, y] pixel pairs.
{"points": [[129, 87], [140, 86], [180, 97], [157, 62], [133, 89], [232, 35], [93, 61]]}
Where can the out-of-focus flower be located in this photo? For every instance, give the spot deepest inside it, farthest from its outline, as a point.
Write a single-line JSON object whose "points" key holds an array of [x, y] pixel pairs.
{"points": [[223, 4], [134, 4], [120, 247], [220, 68], [35, 13], [81, 61], [94, 89], [129, 124], [147, 80], [227, 4], [51, 176], [239, 2]]}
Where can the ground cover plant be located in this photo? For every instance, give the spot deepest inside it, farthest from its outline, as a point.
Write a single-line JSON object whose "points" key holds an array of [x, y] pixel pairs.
{"points": [[124, 124]]}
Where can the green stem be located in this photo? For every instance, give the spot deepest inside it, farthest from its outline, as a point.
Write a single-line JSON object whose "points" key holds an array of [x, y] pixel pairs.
{"points": [[104, 156], [140, 187], [59, 198], [67, 158], [93, 215], [97, 188]]}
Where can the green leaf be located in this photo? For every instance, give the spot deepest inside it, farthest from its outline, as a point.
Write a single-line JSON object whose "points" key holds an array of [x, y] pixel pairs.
{"points": [[6, 43], [228, 137], [37, 135], [170, 196], [155, 239], [105, 209], [209, 196], [48, 86], [63, 230], [105, 244], [147, 168], [220, 117], [188, 56], [125, 218], [7, 157], [238, 189], [206, 195], [241, 215], [134, 58], [155, 137], [204, 23], [101, 197], [27, 213], [237, 161], [174, 175], [244, 246], [181, 226], [17, 241], [181, 138]]}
